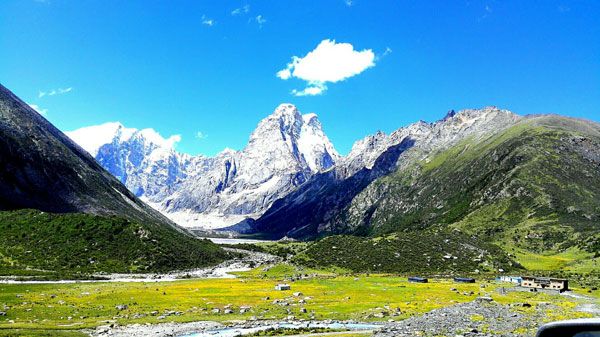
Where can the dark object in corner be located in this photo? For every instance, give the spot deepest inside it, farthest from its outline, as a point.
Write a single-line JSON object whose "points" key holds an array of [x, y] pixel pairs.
{"points": [[571, 328]]}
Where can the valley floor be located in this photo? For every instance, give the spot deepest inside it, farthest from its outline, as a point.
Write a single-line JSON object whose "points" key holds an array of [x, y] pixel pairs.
{"points": [[245, 262], [440, 307]]}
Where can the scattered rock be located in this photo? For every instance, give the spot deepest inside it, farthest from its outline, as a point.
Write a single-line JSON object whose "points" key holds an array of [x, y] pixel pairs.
{"points": [[456, 320], [121, 307]]}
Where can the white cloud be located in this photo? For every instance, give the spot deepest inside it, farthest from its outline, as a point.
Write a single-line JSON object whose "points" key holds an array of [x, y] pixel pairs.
{"points": [[201, 135], [92, 138], [208, 21], [385, 53], [260, 20], [311, 90], [242, 10], [349, 3], [39, 110], [284, 74], [54, 92], [488, 11], [329, 62], [563, 8]]}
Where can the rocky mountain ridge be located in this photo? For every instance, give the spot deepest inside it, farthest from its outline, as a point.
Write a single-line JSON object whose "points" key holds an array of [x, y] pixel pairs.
{"points": [[316, 207], [283, 152]]}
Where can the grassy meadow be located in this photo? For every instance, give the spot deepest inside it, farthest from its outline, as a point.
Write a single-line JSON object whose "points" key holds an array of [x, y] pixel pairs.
{"points": [[323, 294]]}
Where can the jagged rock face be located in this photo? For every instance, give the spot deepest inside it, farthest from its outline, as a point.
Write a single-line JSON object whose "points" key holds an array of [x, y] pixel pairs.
{"points": [[321, 205], [288, 157], [140, 159], [429, 137], [283, 152]]}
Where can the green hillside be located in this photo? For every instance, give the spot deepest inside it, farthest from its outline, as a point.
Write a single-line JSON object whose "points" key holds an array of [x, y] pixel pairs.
{"points": [[533, 190], [427, 252], [63, 214], [34, 242]]}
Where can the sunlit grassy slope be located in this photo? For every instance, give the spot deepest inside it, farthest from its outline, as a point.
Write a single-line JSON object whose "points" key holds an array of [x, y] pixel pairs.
{"points": [[533, 190]]}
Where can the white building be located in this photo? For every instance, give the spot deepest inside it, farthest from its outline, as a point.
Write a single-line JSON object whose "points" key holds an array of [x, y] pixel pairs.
{"points": [[283, 286]]}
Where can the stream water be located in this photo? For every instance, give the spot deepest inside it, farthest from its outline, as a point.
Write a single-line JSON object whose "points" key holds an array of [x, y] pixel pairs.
{"points": [[234, 241], [238, 331]]}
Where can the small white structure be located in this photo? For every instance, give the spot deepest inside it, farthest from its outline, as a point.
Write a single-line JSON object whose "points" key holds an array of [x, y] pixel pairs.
{"points": [[510, 279], [283, 286]]}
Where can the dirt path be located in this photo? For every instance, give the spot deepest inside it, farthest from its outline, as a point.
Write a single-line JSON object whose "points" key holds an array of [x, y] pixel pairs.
{"points": [[591, 305]]}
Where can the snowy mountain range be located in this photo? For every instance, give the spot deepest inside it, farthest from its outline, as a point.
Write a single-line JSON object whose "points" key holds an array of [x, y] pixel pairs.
{"points": [[283, 152], [329, 201]]}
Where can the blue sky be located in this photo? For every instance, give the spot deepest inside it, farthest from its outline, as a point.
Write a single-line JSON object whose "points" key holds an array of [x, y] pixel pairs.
{"points": [[183, 67]]}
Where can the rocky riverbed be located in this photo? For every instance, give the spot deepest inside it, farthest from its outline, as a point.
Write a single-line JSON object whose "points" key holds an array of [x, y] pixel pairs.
{"points": [[157, 330], [480, 318], [221, 330]]}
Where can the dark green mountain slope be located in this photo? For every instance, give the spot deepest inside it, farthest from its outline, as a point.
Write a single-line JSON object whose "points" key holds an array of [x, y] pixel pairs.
{"points": [[83, 243], [427, 252], [41, 168], [534, 188]]}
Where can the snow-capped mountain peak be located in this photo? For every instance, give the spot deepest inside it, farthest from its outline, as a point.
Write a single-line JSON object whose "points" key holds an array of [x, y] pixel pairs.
{"points": [[143, 160], [92, 138], [314, 145], [301, 135], [282, 153]]}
